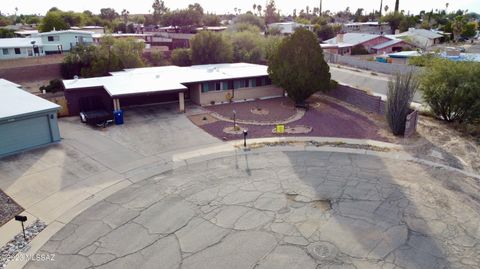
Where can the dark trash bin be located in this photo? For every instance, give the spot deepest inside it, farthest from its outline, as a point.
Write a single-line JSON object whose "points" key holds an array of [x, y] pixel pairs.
{"points": [[118, 116]]}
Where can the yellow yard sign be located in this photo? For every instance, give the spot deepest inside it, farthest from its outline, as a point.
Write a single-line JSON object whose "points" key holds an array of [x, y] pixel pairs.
{"points": [[280, 129]]}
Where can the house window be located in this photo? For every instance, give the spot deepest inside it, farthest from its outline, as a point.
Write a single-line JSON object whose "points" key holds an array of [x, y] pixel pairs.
{"points": [[17, 51], [253, 83], [224, 85], [5, 51], [52, 38], [30, 52], [218, 86], [205, 87], [239, 84]]}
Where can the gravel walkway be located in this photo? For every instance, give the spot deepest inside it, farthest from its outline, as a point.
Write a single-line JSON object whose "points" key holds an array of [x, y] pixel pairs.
{"points": [[8, 208]]}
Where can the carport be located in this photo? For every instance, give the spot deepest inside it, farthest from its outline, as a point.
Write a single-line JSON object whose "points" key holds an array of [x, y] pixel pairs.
{"points": [[116, 92], [26, 121]]}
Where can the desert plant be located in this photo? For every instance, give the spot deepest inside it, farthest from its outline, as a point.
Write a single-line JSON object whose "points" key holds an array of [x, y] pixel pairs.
{"points": [[401, 90], [54, 86], [452, 90]]}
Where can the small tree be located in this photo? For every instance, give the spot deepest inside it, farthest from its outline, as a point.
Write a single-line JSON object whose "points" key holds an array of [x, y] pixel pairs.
{"points": [[181, 57], [359, 50], [401, 90], [298, 66]]}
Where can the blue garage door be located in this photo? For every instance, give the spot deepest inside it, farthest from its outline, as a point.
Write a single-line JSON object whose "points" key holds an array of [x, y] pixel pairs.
{"points": [[23, 134]]}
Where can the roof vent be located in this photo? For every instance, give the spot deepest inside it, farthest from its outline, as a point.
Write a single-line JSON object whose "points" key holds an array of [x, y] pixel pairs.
{"points": [[157, 76], [75, 77]]}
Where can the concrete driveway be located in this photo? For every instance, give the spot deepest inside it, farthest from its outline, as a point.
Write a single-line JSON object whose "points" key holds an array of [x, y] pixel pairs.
{"points": [[49, 181], [294, 209]]}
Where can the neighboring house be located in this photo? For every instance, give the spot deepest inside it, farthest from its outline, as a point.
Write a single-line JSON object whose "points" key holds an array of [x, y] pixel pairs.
{"points": [[26, 33], [56, 42], [41, 44], [26, 121], [288, 28], [420, 37], [377, 28], [343, 43], [14, 48], [201, 84], [93, 28]]}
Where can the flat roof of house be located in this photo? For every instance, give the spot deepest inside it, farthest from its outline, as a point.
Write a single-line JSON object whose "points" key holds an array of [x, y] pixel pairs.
{"points": [[165, 78], [19, 42], [404, 54], [66, 32], [369, 23], [420, 32], [15, 102]]}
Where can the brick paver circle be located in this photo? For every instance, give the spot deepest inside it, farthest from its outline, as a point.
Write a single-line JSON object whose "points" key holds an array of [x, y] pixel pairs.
{"points": [[281, 210]]}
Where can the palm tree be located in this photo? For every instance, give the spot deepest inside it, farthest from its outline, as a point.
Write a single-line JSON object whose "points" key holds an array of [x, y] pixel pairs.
{"points": [[254, 8], [381, 7], [397, 5], [446, 7], [457, 27], [259, 8], [235, 9], [320, 10], [386, 8]]}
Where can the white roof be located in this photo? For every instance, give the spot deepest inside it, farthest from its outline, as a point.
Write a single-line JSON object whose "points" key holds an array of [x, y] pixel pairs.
{"points": [[19, 42], [66, 32], [16, 102], [370, 23], [26, 32], [165, 78]]}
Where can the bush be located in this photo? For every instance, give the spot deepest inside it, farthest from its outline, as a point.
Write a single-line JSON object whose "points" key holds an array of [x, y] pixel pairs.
{"points": [[333, 84], [452, 90], [181, 57], [359, 50], [422, 61], [54, 86], [401, 90]]}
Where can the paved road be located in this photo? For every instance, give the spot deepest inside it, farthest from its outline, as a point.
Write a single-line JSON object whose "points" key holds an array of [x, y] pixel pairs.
{"points": [[280, 210], [365, 80]]}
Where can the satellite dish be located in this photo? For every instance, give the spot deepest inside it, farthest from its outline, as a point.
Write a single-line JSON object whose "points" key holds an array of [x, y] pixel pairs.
{"points": [[75, 77]]}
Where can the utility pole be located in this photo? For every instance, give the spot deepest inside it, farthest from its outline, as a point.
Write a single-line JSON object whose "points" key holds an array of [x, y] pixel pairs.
{"points": [[381, 7], [320, 10]]}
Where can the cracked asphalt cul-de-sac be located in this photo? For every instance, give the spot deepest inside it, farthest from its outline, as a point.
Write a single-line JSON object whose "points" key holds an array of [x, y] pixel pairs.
{"points": [[280, 210]]}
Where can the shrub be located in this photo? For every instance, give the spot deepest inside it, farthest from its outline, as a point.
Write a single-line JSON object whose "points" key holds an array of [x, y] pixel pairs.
{"points": [[359, 50], [211, 48], [401, 90], [422, 61], [54, 86], [452, 90], [181, 57]]}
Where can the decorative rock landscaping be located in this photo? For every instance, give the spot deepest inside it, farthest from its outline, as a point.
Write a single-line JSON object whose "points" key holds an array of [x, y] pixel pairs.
{"points": [[18, 244]]}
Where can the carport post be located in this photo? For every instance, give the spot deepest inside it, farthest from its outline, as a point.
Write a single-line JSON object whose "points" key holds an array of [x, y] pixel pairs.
{"points": [[181, 101], [116, 104]]}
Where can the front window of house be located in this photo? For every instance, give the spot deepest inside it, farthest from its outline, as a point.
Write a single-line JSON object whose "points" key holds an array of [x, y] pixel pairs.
{"points": [[5, 51], [18, 51]]}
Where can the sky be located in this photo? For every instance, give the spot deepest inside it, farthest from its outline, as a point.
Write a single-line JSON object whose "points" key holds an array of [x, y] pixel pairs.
{"points": [[227, 6]]}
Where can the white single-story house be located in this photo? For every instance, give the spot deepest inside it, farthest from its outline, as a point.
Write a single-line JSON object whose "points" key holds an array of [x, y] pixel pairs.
{"points": [[420, 37], [201, 84], [371, 27], [288, 28], [26, 121], [55, 42], [13, 48]]}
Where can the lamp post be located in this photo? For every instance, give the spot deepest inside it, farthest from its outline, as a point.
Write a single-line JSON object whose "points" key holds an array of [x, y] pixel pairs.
{"points": [[234, 120], [22, 219], [245, 133]]}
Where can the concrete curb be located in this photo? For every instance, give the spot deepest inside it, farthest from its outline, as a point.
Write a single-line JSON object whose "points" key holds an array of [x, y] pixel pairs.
{"points": [[221, 150]]}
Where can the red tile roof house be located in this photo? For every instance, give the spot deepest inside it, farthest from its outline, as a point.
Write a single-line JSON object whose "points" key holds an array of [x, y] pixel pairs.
{"points": [[379, 44]]}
